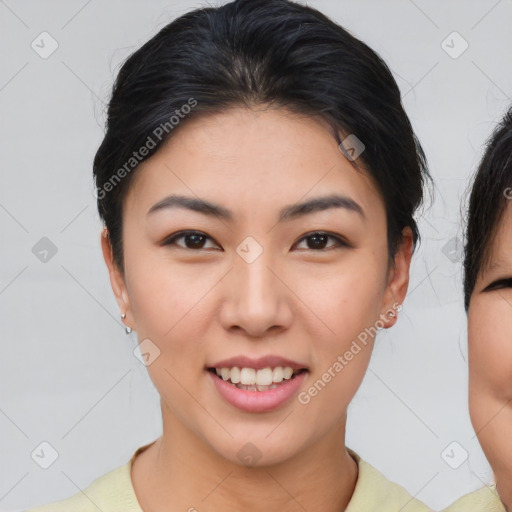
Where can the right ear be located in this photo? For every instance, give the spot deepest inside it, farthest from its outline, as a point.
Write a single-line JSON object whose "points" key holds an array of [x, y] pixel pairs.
{"points": [[116, 277]]}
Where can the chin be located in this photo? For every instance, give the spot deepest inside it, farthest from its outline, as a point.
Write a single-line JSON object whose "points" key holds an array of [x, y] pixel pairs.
{"points": [[257, 451]]}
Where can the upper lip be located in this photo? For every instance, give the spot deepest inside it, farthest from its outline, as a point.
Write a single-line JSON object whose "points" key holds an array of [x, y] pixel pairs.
{"points": [[270, 361]]}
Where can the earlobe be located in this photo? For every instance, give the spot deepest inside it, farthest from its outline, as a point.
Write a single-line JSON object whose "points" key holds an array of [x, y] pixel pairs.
{"points": [[390, 317], [116, 277]]}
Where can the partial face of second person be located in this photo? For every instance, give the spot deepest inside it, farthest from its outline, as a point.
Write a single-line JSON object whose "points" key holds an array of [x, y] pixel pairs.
{"points": [[251, 284], [490, 356]]}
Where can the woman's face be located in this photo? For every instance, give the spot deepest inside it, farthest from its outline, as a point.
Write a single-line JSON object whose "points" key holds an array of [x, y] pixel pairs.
{"points": [[252, 287], [490, 357]]}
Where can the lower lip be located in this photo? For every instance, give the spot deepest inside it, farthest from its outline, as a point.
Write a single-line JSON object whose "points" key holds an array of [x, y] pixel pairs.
{"points": [[258, 401]]}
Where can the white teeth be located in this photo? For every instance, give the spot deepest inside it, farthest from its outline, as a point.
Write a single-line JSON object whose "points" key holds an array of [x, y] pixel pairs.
{"points": [[264, 377], [287, 372], [235, 375], [277, 375], [249, 377]]}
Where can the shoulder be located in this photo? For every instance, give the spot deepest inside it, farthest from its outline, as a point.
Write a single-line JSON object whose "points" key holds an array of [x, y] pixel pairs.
{"points": [[111, 492], [374, 492], [483, 500]]}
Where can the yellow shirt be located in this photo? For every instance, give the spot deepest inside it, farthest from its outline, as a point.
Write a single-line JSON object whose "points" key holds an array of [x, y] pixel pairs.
{"points": [[483, 500], [113, 492]]}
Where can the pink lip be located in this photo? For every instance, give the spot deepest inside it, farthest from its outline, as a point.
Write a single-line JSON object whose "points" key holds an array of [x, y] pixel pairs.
{"points": [[257, 364], [257, 401]]}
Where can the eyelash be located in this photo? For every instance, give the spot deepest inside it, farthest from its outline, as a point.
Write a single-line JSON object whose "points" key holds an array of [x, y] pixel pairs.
{"points": [[499, 284], [340, 242]]}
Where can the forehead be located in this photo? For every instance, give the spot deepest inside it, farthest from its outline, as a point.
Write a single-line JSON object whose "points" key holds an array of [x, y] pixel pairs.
{"points": [[500, 252], [242, 156]]}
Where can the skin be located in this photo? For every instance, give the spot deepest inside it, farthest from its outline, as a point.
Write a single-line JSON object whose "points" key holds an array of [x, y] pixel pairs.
{"points": [[200, 306], [490, 358]]}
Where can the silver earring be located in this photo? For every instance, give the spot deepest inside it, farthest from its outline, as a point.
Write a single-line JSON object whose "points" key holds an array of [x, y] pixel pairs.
{"points": [[391, 314], [128, 330], [399, 308]]}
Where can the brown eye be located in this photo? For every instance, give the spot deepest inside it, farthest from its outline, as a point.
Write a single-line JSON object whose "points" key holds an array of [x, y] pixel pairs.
{"points": [[194, 240], [319, 240]]}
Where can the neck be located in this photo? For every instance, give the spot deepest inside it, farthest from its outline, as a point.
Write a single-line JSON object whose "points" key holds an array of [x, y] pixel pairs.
{"points": [[189, 475]]}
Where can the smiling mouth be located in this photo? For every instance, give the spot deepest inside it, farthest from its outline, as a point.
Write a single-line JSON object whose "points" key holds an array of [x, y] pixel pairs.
{"points": [[250, 379]]}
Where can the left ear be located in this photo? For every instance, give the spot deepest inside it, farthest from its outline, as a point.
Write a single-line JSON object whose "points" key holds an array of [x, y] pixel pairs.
{"points": [[398, 279]]}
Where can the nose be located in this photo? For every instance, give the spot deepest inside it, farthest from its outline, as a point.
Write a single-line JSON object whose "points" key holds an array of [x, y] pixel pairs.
{"points": [[257, 300]]}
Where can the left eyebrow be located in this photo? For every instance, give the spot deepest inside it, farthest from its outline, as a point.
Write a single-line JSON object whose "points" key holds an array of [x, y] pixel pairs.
{"points": [[319, 204], [287, 213]]}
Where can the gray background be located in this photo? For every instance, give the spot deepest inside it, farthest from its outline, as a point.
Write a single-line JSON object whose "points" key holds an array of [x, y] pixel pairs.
{"points": [[68, 373]]}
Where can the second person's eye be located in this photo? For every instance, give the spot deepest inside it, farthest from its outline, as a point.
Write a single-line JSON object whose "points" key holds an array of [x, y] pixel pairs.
{"points": [[500, 283]]}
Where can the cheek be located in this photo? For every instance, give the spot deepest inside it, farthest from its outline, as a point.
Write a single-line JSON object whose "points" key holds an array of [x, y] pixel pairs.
{"points": [[352, 296], [347, 302], [490, 348], [168, 302]]}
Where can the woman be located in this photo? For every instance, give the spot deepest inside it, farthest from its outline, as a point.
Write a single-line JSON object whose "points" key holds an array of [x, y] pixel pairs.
{"points": [[488, 302], [257, 180]]}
